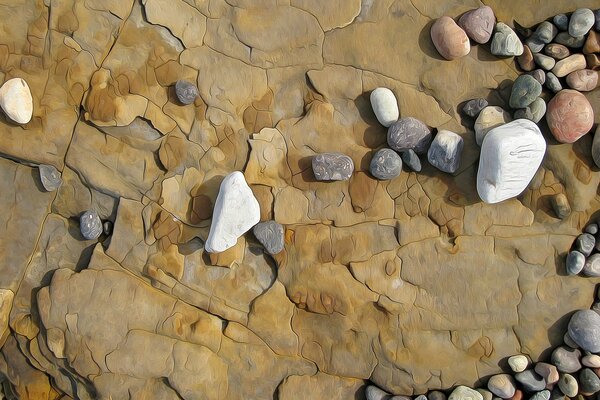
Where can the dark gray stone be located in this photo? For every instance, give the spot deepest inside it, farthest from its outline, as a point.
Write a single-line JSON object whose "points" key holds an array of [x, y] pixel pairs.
{"points": [[332, 167], [557, 51], [542, 395], [566, 359], [546, 31], [589, 383], [544, 61], [411, 160], [535, 44], [530, 381], [567, 40], [524, 91], [538, 109], [592, 229], [90, 225], [385, 164], [107, 227], [582, 20], [50, 177], [445, 151], [553, 83], [271, 235], [523, 113], [597, 20], [409, 133], [556, 394], [585, 243], [584, 329], [575, 262], [539, 75], [473, 107], [436, 395], [561, 21], [186, 92]]}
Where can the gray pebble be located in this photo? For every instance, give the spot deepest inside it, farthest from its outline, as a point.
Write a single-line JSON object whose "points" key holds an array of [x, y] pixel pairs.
{"points": [[530, 381], [546, 31], [90, 225], [271, 235], [553, 83], [538, 109], [50, 177], [566, 359], [411, 160], [445, 152], [575, 262], [524, 91], [385, 164], [585, 243], [545, 62], [436, 395], [561, 21], [473, 107], [584, 329], [107, 227], [535, 44], [186, 92], [561, 205], [582, 20], [539, 75], [541, 395], [506, 42], [409, 133], [597, 18], [567, 40], [556, 394], [589, 383], [523, 113], [332, 167], [486, 394], [592, 229], [421, 397], [374, 393], [568, 385], [592, 266], [502, 385]]}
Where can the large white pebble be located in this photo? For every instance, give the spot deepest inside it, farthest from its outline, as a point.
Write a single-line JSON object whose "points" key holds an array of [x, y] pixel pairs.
{"points": [[385, 106], [510, 156], [16, 101], [489, 118], [236, 211], [518, 363]]}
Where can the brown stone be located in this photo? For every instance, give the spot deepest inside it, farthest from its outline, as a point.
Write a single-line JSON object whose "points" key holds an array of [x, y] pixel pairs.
{"points": [[557, 51], [592, 43], [583, 80], [570, 116], [449, 39], [593, 61], [525, 60]]}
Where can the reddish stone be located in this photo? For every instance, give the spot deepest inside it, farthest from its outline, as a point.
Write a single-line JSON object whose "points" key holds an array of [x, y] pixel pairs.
{"points": [[479, 24], [518, 395], [449, 39], [570, 116]]}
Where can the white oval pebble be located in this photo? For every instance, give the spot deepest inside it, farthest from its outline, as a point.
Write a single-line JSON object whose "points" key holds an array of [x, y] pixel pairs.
{"points": [[518, 363], [385, 106], [16, 100]]}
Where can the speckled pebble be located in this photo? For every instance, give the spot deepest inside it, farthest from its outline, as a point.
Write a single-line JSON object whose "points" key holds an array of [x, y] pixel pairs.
{"points": [[271, 235], [186, 92], [332, 167], [445, 151], [409, 133], [575, 262], [90, 225], [386, 164]]}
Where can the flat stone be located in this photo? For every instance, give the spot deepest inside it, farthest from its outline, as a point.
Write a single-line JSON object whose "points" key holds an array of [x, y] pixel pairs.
{"points": [[50, 177], [478, 24], [411, 160], [538, 109], [567, 40], [186, 92], [543, 61], [409, 133], [90, 225], [16, 100], [518, 363], [465, 393], [553, 83], [591, 361], [525, 60], [569, 116], [385, 106], [502, 385], [271, 235], [445, 151], [580, 23], [561, 21], [332, 167], [473, 107], [386, 164], [568, 385], [592, 229], [236, 211], [596, 147], [584, 329], [592, 43], [567, 65], [449, 39], [374, 393], [547, 371], [566, 359], [539, 75], [585, 243], [524, 91], [561, 206], [557, 51], [584, 80], [506, 42], [541, 395], [589, 382], [574, 262], [488, 119], [530, 381]]}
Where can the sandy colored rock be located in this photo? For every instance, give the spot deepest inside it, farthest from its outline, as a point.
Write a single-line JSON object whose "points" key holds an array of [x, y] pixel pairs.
{"points": [[449, 39], [488, 119], [567, 65]]}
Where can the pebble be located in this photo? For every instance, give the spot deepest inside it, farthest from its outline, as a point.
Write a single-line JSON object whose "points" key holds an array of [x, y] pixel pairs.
{"points": [[557, 51], [592, 268], [506, 42], [385, 106], [597, 17], [592, 229], [567, 65], [542, 395], [539, 75], [332, 167], [486, 394], [478, 24], [546, 31], [465, 393], [561, 205], [585, 243], [502, 385], [553, 83], [592, 61], [596, 148], [561, 21], [524, 91], [50, 177], [556, 394], [525, 60], [449, 39], [592, 43], [409, 133], [436, 395], [421, 397], [566, 359], [518, 363], [271, 235], [374, 393], [589, 382], [90, 225], [510, 156], [535, 44], [518, 395], [107, 228], [569, 116], [575, 262], [186, 92], [16, 100], [584, 329], [445, 151], [548, 372], [488, 119], [538, 109], [583, 80], [591, 361], [569, 342], [473, 107], [530, 381], [567, 40], [545, 62], [582, 20], [386, 164], [411, 160], [236, 210], [523, 113], [568, 385]]}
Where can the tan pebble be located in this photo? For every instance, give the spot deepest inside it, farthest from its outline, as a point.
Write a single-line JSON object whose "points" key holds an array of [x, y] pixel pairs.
{"points": [[583, 80], [569, 64]]}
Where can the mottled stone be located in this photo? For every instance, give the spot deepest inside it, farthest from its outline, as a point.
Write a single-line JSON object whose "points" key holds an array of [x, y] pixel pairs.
{"points": [[385, 106], [478, 24], [589, 382], [186, 92], [449, 39], [271, 235], [567, 65], [525, 60], [553, 83], [539, 75], [561, 21], [538, 109], [546, 31], [543, 61], [549, 372], [473, 107], [16, 100], [575, 262], [585, 243], [592, 43], [567, 40], [465, 393], [568, 385], [569, 116], [535, 44], [542, 395], [332, 167], [518, 363], [488, 119], [524, 91], [566, 359], [591, 361], [561, 206], [90, 225], [50, 177], [584, 329], [506, 42], [583, 80], [581, 21], [385, 164], [556, 394], [445, 151], [409, 133], [486, 394], [530, 381], [557, 51], [502, 385], [596, 147], [411, 160]]}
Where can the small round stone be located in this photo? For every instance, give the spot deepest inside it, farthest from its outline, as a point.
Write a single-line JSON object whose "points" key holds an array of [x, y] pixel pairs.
{"points": [[557, 51], [506, 42], [524, 91], [374, 393], [566, 359], [561, 21], [486, 394], [591, 361], [570, 116], [575, 262], [445, 151], [568, 385], [332, 167], [16, 100], [548, 372], [518, 363], [525, 60], [589, 382], [530, 381], [411, 160], [542, 395], [592, 267], [581, 22], [585, 243], [478, 24], [546, 31], [386, 164], [473, 107], [543, 61], [538, 109], [186, 92], [409, 133], [584, 329], [385, 106], [535, 43], [502, 385], [584, 80], [449, 39], [553, 83], [592, 229], [271, 235], [561, 206], [567, 40], [90, 225], [465, 393], [50, 177], [539, 75], [107, 228]]}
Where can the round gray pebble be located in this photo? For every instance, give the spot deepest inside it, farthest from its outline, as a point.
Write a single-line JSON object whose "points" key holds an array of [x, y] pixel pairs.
{"points": [[546, 31], [90, 225], [592, 266], [409, 133], [541, 395], [386, 164], [539, 75], [561, 21], [575, 262], [585, 243], [436, 395], [50, 177], [582, 20], [524, 91], [592, 229], [186, 92], [543, 61], [538, 109], [332, 167], [271, 235], [584, 329], [411, 160], [566, 359], [473, 107]]}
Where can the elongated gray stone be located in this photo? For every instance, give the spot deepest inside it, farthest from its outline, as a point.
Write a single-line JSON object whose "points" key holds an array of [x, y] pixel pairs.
{"points": [[90, 225], [561, 21], [411, 160], [530, 381], [553, 83], [386, 164], [385, 106], [271, 235], [50, 177], [409, 133], [186, 92], [573, 42], [445, 151], [575, 262], [332, 167]]}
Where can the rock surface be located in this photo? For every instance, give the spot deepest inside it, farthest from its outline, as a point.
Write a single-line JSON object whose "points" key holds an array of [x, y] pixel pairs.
{"points": [[385, 106], [569, 116], [332, 167], [16, 100], [449, 39]]}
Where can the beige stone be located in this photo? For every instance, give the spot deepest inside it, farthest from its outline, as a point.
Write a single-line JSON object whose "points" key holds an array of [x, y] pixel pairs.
{"points": [[567, 65]]}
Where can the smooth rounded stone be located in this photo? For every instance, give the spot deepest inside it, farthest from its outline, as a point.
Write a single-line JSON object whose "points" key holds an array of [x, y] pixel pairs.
{"points": [[186, 92], [561, 206], [523, 113], [556, 394], [535, 43], [506, 42], [420, 397], [524, 91], [592, 43], [486, 394], [538, 109], [584, 329], [567, 65], [478, 24], [561, 21], [592, 61], [583, 80], [567, 40], [546, 31], [568, 385], [449, 39], [556, 51], [581, 21], [518, 363], [530, 381], [385, 106], [569, 342], [398, 397], [541, 395], [436, 395], [592, 268], [585, 243], [510, 156], [236, 211], [502, 385], [386, 164], [473, 107], [553, 83], [107, 228], [445, 151], [547, 371], [50, 177], [525, 60], [465, 393], [488, 119], [591, 361], [566, 359], [596, 147], [332, 167], [544, 62], [589, 382], [16, 100], [90, 225], [539, 75], [569, 116], [575, 262], [374, 393], [518, 395], [409, 133], [592, 229], [597, 22], [411, 160], [270, 235]]}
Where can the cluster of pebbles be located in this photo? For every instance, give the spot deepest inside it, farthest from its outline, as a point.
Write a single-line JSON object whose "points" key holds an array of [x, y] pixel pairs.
{"points": [[584, 258]]}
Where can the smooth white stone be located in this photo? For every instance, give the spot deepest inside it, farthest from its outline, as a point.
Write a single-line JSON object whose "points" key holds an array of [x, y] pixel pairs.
{"points": [[385, 106], [510, 156], [518, 363], [236, 211], [489, 118], [16, 101]]}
